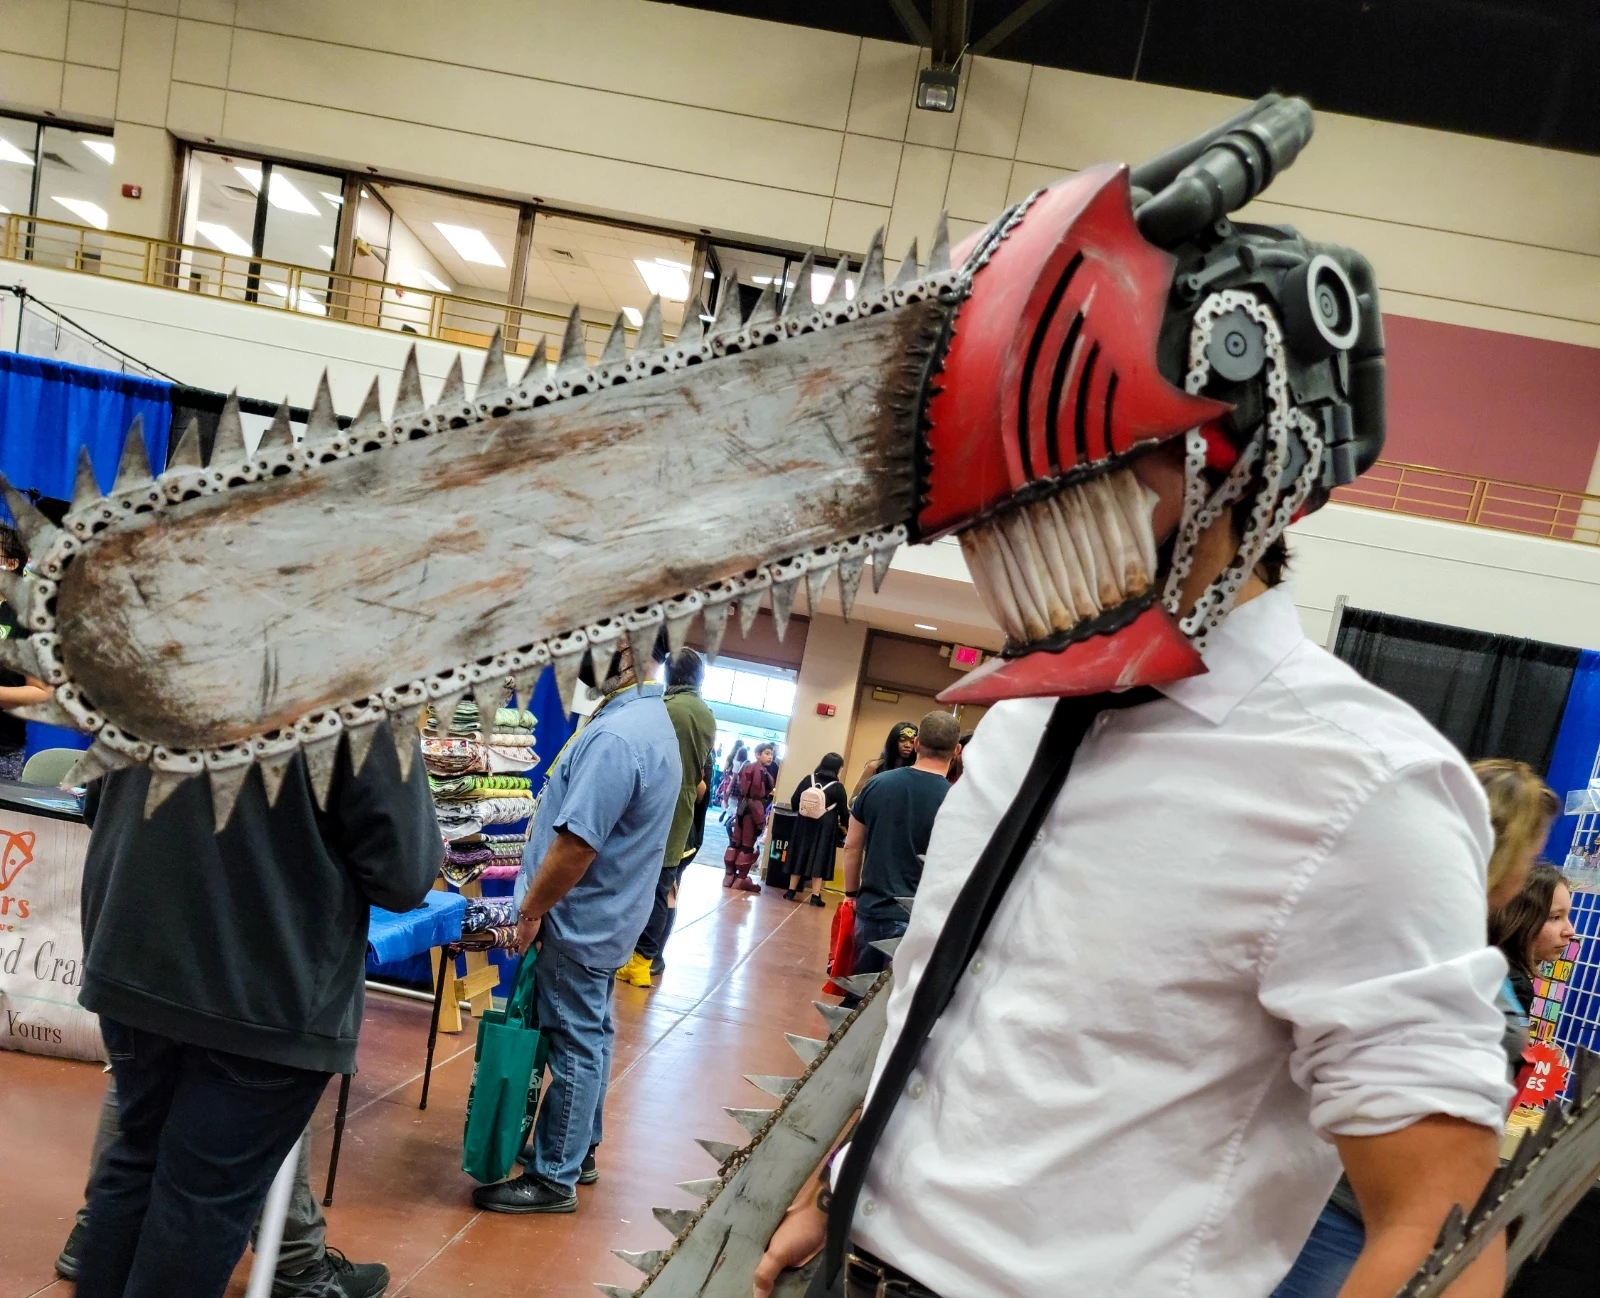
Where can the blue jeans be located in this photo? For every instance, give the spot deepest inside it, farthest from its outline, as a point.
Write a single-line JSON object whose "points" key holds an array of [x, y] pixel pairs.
{"points": [[1326, 1258], [202, 1135], [575, 1013], [869, 931]]}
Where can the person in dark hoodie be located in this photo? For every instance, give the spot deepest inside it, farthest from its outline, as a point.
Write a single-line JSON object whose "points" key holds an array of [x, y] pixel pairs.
{"points": [[228, 970]]}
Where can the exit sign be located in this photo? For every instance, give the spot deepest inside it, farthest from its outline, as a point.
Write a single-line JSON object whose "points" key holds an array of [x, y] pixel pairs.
{"points": [[964, 657]]}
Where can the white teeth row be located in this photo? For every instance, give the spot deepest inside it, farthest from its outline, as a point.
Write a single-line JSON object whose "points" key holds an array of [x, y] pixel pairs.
{"points": [[1043, 568]]}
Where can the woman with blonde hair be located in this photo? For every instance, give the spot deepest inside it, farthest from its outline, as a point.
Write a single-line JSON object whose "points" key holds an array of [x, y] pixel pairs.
{"points": [[1522, 807]]}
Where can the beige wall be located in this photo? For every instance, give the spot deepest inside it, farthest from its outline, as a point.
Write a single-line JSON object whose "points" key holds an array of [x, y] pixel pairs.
{"points": [[762, 131]]}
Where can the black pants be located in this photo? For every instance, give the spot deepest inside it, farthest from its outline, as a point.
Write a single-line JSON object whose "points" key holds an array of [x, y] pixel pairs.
{"points": [[202, 1135], [662, 914]]}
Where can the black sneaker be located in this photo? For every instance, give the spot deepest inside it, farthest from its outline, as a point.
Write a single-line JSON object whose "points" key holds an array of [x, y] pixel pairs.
{"points": [[525, 1193], [657, 966], [67, 1262], [588, 1174], [333, 1276]]}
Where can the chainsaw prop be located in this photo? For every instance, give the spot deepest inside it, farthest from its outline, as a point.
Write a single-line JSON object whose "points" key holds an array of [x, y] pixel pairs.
{"points": [[1110, 350]]}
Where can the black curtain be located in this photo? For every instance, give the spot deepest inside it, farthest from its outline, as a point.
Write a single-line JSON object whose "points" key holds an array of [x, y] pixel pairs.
{"points": [[1489, 695]]}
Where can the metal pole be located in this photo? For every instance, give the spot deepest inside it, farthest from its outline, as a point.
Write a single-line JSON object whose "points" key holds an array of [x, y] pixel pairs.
{"points": [[270, 1234], [447, 969], [338, 1138]]}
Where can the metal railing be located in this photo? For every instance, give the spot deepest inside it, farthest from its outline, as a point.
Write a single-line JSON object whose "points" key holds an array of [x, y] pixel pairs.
{"points": [[1412, 489], [1424, 492], [256, 281]]}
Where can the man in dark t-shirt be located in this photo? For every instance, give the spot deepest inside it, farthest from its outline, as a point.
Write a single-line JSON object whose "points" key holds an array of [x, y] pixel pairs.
{"points": [[890, 824]]}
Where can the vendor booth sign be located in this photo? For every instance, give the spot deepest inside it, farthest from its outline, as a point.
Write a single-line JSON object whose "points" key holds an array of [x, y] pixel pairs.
{"points": [[41, 939]]}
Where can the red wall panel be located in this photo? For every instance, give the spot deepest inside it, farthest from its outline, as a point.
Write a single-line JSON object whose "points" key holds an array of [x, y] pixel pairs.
{"points": [[1491, 404]]}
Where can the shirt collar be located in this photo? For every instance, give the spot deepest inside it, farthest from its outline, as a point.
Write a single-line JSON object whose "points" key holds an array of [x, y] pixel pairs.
{"points": [[1242, 652]]}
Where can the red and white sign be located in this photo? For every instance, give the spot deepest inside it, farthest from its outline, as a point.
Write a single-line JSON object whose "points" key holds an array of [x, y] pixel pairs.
{"points": [[1543, 1075]]}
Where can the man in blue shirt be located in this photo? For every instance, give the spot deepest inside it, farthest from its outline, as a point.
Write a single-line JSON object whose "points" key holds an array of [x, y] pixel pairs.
{"points": [[588, 881]]}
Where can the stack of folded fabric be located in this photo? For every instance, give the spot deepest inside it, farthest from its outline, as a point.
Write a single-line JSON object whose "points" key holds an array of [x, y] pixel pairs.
{"points": [[466, 803], [489, 912]]}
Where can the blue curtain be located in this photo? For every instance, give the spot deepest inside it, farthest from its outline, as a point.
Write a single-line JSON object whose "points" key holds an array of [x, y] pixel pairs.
{"points": [[49, 409], [1576, 743]]}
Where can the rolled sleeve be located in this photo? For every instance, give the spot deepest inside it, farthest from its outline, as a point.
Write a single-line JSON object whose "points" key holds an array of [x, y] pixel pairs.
{"points": [[1382, 968], [603, 777]]}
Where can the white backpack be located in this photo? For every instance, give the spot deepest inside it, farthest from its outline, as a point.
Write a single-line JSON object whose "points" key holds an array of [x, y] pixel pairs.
{"points": [[813, 804]]}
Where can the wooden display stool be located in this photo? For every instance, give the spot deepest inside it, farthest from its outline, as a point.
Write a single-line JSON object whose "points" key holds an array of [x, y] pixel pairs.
{"points": [[476, 986]]}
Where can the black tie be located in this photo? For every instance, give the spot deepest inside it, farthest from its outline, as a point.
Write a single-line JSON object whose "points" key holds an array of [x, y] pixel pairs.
{"points": [[963, 931]]}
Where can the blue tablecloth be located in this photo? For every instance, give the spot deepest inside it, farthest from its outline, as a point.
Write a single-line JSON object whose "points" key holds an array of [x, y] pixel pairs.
{"points": [[435, 922]]}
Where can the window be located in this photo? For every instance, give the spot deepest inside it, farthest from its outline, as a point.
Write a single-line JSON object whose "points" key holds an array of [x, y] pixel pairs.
{"points": [[251, 212], [58, 173], [19, 148], [747, 687], [757, 270]]}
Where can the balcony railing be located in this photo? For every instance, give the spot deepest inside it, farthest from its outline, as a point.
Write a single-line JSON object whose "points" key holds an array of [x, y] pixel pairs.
{"points": [[1424, 492], [1412, 489], [257, 281]]}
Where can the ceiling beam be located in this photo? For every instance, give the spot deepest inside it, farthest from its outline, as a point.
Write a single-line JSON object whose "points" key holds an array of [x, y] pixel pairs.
{"points": [[912, 21], [1012, 23], [952, 20]]}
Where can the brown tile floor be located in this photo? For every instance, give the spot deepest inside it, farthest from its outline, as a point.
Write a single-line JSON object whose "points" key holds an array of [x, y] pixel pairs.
{"points": [[742, 970]]}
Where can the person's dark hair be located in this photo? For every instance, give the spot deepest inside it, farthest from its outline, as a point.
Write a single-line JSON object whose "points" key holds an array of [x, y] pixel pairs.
{"points": [[890, 758], [1274, 560], [829, 767], [938, 734], [686, 667], [766, 746], [1514, 928], [740, 753], [12, 546]]}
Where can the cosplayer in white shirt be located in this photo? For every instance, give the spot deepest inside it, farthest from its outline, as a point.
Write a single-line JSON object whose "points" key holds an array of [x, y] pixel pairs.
{"points": [[1248, 945], [1253, 923]]}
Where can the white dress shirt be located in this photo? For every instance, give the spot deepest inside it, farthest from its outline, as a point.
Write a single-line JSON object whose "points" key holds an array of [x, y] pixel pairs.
{"points": [[1254, 919]]}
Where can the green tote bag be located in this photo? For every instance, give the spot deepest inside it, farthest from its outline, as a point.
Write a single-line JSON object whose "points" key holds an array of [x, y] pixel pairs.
{"points": [[507, 1070]]}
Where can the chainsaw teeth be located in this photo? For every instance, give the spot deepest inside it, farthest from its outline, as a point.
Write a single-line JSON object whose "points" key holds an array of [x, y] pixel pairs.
{"points": [[782, 311], [650, 337], [718, 1149], [752, 1120], [885, 945], [613, 1290], [408, 400], [798, 302], [811, 1111], [778, 1086], [807, 1048], [134, 469], [832, 1015], [676, 1220]]}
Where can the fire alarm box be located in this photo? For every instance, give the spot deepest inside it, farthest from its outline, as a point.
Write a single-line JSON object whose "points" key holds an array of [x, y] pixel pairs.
{"points": [[826, 709], [132, 191]]}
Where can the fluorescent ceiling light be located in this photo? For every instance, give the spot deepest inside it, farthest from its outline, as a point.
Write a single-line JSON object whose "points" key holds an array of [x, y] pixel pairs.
{"points": [[923, 626], [106, 150], [4, 210], [822, 283], [416, 277], [471, 244], [281, 192], [87, 212], [667, 279], [220, 236], [10, 153], [710, 274], [326, 250], [336, 199], [635, 317]]}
